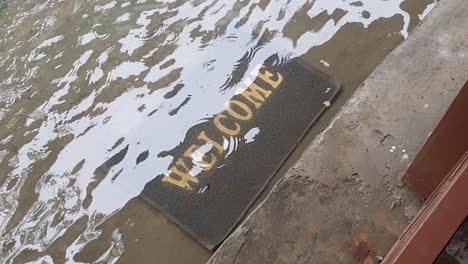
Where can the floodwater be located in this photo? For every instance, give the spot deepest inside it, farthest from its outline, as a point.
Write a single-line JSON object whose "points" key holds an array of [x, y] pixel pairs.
{"points": [[92, 91]]}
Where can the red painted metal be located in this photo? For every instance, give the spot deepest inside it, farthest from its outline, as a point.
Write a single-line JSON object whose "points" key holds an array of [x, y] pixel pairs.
{"points": [[437, 221], [444, 148]]}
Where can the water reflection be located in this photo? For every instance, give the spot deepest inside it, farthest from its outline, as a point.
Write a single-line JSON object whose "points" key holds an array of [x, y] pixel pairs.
{"points": [[91, 93]]}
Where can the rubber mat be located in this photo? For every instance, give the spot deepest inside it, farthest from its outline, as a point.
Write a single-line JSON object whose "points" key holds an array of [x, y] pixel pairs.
{"points": [[223, 164]]}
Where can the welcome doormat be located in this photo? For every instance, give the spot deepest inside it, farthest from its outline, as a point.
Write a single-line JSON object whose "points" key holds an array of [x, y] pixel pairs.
{"points": [[224, 163]]}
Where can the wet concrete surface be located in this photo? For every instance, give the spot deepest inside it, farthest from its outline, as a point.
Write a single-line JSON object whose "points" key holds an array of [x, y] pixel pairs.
{"points": [[456, 252], [343, 201], [81, 82]]}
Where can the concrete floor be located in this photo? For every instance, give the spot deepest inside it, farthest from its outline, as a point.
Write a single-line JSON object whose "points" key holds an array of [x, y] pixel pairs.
{"points": [[148, 236], [343, 201]]}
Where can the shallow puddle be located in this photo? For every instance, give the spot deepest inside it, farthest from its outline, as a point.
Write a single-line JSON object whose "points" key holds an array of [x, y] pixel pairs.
{"points": [[92, 92]]}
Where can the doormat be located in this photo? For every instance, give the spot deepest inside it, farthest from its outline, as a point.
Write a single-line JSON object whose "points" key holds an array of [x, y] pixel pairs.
{"points": [[224, 163]]}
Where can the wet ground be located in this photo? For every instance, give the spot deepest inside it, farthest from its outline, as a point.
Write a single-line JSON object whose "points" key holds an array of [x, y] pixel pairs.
{"points": [[87, 88], [456, 252]]}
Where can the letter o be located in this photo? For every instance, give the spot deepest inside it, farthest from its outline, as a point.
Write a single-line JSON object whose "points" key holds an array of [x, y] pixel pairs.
{"points": [[247, 115], [223, 128]]}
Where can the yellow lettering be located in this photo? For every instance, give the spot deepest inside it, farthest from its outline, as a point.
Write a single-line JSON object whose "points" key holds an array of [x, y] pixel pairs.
{"points": [[223, 128], [207, 164], [184, 176], [240, 116], [215, 144], [266, 76], [255, 94], [188, 153]]}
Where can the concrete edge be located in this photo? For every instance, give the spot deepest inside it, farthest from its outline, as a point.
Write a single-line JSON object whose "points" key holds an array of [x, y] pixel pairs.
{"points": [[380, 130]]}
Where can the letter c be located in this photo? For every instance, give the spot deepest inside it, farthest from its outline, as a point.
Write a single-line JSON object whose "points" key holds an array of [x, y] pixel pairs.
{"points": [[223, 128]]}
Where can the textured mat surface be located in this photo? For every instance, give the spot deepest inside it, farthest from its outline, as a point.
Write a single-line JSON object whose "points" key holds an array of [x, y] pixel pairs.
{"points": [[225, 162]]}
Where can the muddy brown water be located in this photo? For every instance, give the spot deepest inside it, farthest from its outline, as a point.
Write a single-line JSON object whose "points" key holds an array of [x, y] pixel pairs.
{"points": [[86, 87]]}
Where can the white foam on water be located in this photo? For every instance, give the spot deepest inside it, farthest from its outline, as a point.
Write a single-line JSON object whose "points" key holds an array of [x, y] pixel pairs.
{"points": [[198, 164], [122, 18], [99, 111], [427, 11], [87, 38], [107, 6], [127, 69], [251, 134], [135, 39], [34, 55]]}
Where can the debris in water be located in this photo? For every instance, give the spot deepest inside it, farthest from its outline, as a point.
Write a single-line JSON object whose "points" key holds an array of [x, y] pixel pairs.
{"points": [[326, 64], [202, 190]]}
